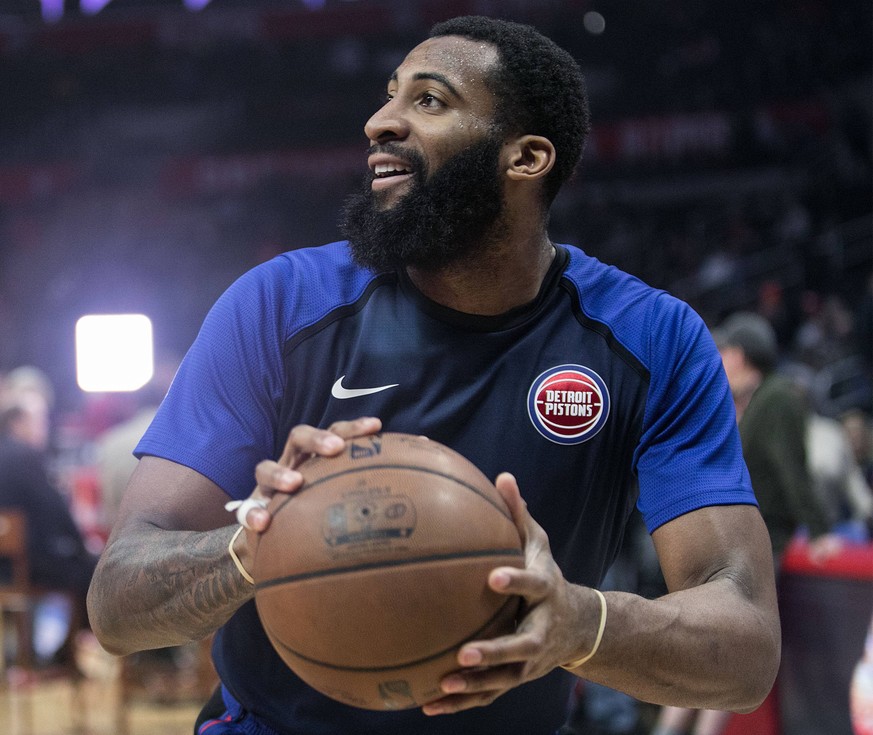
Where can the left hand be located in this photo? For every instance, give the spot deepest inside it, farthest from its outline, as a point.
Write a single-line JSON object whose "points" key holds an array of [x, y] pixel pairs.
{"points": [[540, 643]]}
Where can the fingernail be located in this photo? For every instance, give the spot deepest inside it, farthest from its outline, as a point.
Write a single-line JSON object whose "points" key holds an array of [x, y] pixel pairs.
{"points": [[290, 476], [453, 684], [469, 657], [332, 442], [500, 580]]}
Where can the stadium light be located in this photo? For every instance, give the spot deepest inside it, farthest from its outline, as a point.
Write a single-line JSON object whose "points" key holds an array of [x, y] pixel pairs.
{"points": [[52, 10], [92, 7], [114, 352]]}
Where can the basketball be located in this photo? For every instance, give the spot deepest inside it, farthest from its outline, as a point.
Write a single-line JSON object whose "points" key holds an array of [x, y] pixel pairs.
{"points": [[371, 577]]}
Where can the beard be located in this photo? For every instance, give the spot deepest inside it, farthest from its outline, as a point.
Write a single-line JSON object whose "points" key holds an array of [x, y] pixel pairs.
{"points": [[446, 216]]}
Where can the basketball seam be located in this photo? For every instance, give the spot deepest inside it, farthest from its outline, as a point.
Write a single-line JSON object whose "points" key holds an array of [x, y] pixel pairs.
{"points": [[393, 667], [386, 564]]}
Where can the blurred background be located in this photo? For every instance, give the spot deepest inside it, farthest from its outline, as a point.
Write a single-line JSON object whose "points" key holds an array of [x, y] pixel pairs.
{"points": [[151, 151], [150, 154]]}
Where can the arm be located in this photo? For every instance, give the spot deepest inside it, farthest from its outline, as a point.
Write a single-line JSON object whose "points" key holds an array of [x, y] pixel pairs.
{"points": [[713, 642], [166, 577]]}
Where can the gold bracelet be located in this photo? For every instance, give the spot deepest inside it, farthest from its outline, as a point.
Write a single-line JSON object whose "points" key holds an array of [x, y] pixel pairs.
{"points": [[242, 570], [578, 662]]}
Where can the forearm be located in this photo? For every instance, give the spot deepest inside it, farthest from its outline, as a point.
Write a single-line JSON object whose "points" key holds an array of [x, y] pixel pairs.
{"points": [[707, 647], [155, 588]]}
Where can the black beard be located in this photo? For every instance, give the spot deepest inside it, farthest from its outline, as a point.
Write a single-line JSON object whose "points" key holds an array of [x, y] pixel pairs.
{"points": [[444, 217]]}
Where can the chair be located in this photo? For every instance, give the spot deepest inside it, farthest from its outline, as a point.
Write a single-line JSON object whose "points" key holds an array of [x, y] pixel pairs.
{"points": [[18, 599]]}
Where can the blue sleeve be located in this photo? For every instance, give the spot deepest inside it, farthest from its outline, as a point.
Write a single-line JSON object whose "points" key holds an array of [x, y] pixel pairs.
{"points": [[220, 414], [690, 454]]}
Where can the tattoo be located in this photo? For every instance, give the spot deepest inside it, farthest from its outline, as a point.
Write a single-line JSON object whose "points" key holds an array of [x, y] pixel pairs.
{"points": [[156, 588]]}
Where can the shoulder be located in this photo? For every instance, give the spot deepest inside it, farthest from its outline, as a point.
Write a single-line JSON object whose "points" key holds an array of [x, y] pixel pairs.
{"points": [[777, 396], [647, 321], [300, 286], [328, 266]]}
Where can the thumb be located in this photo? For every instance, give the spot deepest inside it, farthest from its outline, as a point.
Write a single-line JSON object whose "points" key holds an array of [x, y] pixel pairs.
{"points": [[507, 486]]}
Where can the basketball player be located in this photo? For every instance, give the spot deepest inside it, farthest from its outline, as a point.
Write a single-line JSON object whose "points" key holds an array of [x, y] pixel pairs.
{"points": [[452, 314]]}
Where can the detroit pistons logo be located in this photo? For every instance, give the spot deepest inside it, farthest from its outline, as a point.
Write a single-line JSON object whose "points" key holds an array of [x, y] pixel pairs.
{"points": [[568, 404]]}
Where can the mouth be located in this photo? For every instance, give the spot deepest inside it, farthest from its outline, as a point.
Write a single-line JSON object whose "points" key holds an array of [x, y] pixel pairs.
{"points": [[389, 172]]}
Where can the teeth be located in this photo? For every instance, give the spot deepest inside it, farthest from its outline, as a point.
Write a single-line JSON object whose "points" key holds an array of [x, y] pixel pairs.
{"points": [[385, 169]]}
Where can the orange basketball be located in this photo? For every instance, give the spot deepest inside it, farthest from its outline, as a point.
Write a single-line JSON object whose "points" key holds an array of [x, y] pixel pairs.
{"points": [[371, 577]]}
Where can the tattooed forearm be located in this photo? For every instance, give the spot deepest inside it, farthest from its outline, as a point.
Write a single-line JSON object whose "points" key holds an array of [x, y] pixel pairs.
{"points": [[157, 588]]}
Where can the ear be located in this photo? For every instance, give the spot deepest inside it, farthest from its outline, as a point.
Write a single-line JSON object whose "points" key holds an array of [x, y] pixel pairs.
{"points": [[530, 157]]}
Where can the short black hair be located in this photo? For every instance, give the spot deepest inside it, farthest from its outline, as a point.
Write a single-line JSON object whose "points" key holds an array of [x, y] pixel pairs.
{"points": [[538, 88], [754, 335]]}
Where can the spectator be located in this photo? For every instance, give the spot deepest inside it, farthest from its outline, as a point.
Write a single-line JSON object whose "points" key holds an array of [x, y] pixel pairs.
{"points": [[773, 422], [114, 447], [837, 478], [58, 558]]}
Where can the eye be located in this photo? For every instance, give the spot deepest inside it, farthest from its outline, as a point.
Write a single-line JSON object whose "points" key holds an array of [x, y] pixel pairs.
{"points": [[430, 100]]}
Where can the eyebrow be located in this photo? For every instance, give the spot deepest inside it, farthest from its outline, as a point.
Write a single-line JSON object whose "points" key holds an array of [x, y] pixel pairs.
{"points": [[436, 76]]}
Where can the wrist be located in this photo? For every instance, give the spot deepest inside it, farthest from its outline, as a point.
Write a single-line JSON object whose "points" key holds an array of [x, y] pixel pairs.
{"points": [[598, 639], [237, 549]]}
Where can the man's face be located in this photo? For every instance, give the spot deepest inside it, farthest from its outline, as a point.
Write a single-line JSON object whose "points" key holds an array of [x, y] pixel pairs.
{"points": [[742, 376], [434, 192]]}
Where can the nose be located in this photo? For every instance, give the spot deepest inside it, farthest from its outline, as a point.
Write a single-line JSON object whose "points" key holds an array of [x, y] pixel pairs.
{"points": [[387, 124]]}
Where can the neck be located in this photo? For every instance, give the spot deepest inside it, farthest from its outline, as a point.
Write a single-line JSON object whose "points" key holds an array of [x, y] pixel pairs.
{"points": [[505, 275]]}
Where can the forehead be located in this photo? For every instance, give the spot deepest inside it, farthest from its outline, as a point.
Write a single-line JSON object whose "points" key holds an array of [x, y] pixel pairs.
{"points": [[465, 63]]}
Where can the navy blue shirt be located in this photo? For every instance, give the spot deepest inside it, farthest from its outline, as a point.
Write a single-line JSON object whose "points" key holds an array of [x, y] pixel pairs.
{"points": [[600, 394]]}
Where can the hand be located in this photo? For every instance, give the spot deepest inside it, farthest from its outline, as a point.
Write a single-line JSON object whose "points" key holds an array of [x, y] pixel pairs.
{"points": [[540, 642], [303, 442]]}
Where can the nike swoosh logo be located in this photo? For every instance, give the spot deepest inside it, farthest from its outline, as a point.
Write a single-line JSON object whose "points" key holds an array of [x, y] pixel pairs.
{"points": [[339, 392]]}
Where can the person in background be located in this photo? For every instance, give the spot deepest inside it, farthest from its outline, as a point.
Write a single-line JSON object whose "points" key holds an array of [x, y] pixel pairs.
{"points": [[837, 477], [773, 420], [57, 555], [114, 456]]}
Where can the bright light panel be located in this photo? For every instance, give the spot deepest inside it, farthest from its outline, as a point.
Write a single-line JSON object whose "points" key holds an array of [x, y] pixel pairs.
{"points": [[92, 7], [114, 352]]}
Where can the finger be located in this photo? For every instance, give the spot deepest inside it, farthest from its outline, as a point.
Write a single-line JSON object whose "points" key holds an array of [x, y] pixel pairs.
{"points": [[257, 519], [499, 652], [483, 681], [507, 486], [477, 690], [272, 476], [455, 703], [528, 583], [305, 440], [364, 426], [533, 536], [242, 508]]}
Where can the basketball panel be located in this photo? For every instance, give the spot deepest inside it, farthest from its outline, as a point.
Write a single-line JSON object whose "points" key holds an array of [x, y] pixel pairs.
{"points": [[378, 515], [384, 617], [391, 689]]}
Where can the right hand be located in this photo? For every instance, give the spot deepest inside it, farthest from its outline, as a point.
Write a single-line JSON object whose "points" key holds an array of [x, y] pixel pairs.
{"points": [[303, 442]]}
